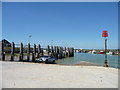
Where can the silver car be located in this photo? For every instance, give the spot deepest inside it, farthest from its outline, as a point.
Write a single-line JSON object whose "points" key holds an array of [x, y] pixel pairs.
{"points": [[46, 59]]}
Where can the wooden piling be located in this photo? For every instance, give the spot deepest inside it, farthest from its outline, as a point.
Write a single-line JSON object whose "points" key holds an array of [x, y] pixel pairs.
{"points": [[60, 52], [68, 53], [34, 49], [42, 52], [28, 52], [21, 52], [34, 53], [2, 51], [33, 56], [39, 50], [65, 51], [56, 51], [12, 51], [72, 52], [52, 51], [48, 49]]}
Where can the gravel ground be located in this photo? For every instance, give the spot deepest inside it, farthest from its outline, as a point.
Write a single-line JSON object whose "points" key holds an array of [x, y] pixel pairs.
{"points": [[34, 75]]}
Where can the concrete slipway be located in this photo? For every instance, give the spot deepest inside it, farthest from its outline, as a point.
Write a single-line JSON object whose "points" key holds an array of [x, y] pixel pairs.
{"points": [[34, 75]]}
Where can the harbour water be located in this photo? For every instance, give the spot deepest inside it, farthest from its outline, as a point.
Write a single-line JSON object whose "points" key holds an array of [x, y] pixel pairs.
{"points": [[97, 59]]}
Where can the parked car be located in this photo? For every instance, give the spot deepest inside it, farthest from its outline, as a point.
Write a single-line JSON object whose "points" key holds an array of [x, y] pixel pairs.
{"points": [[38, 60], [46, 59]]}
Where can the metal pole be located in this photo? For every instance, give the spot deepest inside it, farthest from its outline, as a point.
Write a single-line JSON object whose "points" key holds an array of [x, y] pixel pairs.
{"points": [[105, 63]]}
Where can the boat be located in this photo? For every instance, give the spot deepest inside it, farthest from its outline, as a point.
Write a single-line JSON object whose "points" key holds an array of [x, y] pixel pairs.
{"points": [[110, 53], [101, 52]]}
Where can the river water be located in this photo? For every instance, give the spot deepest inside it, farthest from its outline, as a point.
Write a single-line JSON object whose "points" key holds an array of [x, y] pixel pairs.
{"points": [[97, 59]]}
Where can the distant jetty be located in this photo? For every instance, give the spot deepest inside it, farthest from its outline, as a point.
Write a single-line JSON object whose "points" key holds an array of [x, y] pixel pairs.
{"points": [[21, 52]]}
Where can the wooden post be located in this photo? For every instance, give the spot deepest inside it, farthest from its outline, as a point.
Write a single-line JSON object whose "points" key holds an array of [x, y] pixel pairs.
{"points": [[72, 52], [48, 49], [57, 52], [52, 51], [2, 51], [42, 51], [60, 52], [34, 49], [28, 52], [33, 56], [34, 53], [67, 52], [39, 50], [64, 52], [12, 51], [21, 51]]}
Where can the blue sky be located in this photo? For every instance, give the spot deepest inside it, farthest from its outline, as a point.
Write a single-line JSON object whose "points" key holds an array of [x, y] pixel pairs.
{"points": [[78, 25]]}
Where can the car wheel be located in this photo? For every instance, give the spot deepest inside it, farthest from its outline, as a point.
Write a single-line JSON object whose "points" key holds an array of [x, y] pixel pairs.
{"points": [[46, 61], [53, 61]]}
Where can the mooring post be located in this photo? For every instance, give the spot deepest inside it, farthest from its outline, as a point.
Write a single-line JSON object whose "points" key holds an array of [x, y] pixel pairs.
{"points": [[2, 51], [57, 52], [42, 51], [34, 53], [52, 51], [72, 52], [28, 52], [12, 51], [60, 52], [48, 48], [69, 52], [33, 57], [34, 49], [70, 55], [39, 50], [65, 52], [21, 52]]}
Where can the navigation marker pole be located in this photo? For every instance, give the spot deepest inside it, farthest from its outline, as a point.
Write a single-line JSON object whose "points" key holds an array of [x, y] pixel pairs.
{"points": [[105, 34]]}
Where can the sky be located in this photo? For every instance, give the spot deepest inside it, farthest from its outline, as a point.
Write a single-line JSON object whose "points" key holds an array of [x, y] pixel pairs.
{"points": [[70, 24]]}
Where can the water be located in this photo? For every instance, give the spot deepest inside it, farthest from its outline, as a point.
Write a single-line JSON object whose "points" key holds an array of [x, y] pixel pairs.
{"points": [[92, 58]]}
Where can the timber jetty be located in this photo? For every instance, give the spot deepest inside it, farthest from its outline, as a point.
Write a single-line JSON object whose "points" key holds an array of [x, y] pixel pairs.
{"points": [[29, 53]]}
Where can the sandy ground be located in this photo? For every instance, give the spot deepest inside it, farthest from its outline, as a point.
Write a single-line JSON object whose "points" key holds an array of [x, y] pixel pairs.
{"points": [[34, 75]]}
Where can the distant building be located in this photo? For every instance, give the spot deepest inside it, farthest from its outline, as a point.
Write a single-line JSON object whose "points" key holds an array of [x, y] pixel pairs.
{"points": [[6, 43]]}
